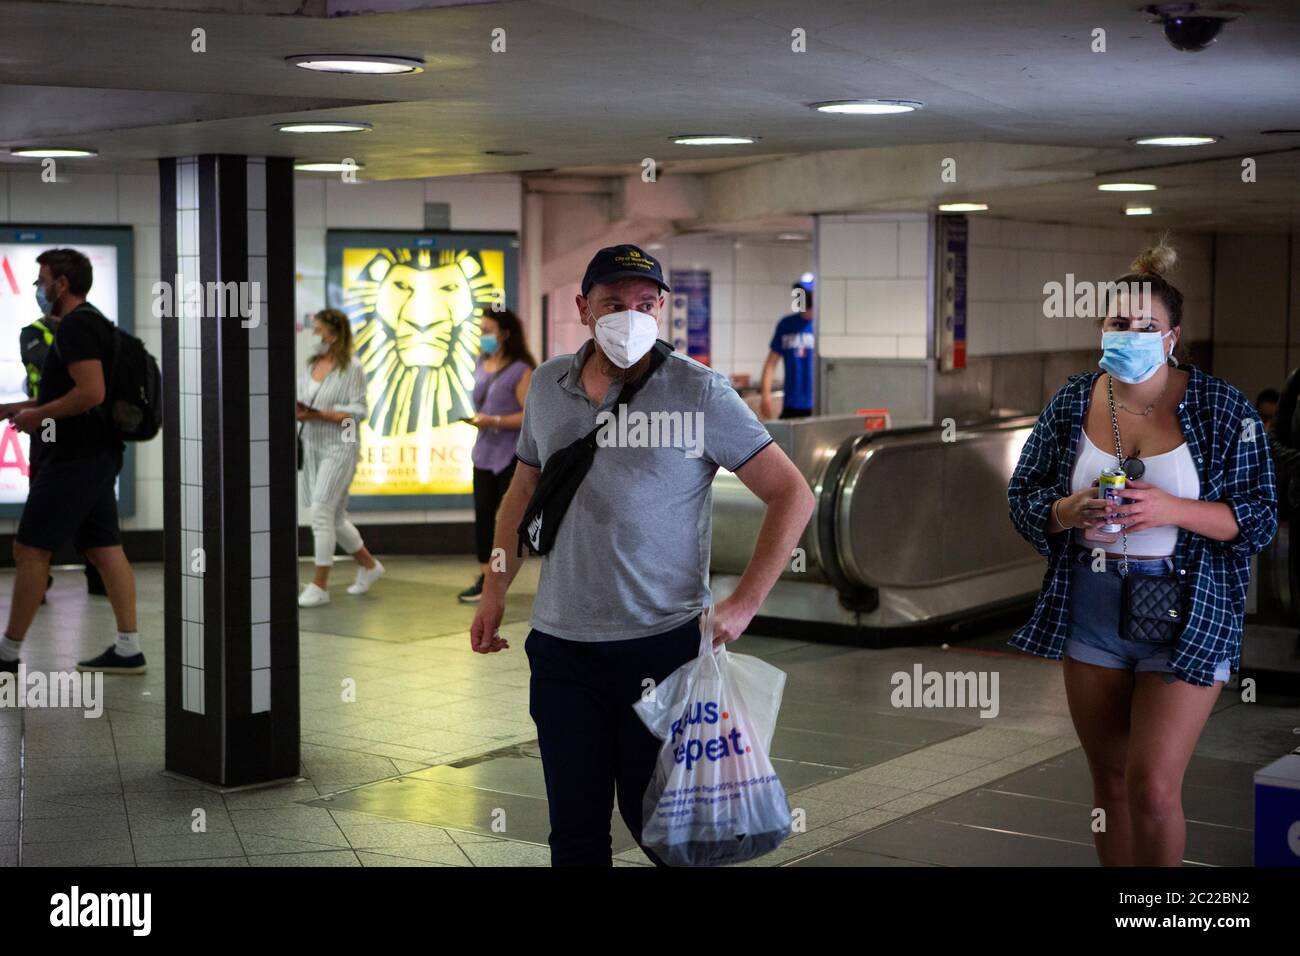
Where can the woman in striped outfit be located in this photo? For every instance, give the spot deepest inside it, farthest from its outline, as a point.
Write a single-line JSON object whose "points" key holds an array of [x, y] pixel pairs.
{"points": [[331, 403]]}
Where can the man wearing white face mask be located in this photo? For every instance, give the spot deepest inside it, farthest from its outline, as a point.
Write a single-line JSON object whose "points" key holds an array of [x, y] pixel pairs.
{"points": [[624, 582]]}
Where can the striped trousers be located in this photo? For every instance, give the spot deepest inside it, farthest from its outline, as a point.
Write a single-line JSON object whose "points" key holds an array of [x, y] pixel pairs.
{"points": [[326, 475]]}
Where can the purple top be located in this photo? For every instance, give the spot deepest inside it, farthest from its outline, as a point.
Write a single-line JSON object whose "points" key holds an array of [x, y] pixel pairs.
{"points": [[494, 394]]}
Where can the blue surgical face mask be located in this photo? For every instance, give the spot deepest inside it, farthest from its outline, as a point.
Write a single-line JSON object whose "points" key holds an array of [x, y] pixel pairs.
{"points": [[1133, 357], [487, 344], [43, 301]]}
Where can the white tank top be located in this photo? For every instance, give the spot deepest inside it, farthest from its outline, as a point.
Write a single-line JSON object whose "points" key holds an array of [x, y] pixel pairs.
{"points": [[1173, 472]]}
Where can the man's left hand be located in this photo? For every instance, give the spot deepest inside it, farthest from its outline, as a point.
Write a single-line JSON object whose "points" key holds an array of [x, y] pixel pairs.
{"points": [[730, 618], [28, 420]]}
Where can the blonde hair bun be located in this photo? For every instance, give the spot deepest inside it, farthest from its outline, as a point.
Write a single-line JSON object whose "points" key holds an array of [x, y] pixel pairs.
{"points": [[1157, 259]]}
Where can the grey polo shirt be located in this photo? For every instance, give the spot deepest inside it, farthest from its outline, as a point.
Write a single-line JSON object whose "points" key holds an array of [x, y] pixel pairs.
{"points": [[631, 557]]}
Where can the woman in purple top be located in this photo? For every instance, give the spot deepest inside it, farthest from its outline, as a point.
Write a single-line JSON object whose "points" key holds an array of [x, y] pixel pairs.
{"points": [[501, 379]]}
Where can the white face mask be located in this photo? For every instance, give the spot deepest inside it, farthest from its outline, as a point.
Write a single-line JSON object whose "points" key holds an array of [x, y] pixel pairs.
{"points": [[625, 337]]}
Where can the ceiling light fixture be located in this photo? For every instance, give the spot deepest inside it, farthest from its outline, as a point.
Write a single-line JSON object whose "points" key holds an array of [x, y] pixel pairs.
{"points": [[352, 63], [872, 107], [51, 152], [1176, 140], [1138, 210], [1126, 187], [323, 127], [962, 207], [714, 139]]}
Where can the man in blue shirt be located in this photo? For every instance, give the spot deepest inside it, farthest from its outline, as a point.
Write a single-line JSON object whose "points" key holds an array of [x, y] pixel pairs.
{"points": [[792, 343]]}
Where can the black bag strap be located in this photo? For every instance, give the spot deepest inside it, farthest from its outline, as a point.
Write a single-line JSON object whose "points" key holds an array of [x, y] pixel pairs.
{"points": [[545, 490]]}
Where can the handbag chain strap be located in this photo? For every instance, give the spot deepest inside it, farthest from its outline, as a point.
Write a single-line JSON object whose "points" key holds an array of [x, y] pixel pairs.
{"points": [[1119, 457]]}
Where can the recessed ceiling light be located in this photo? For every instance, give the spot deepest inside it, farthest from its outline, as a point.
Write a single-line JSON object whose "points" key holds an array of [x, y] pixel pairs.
{"points": [[1126, 187], [869, 107], [351, 63], [505, 152], [714, 139], [327, 167], [323, 127], [792, 236], [51, 152], [1138, 210], [962, 206], [1177, 140]]}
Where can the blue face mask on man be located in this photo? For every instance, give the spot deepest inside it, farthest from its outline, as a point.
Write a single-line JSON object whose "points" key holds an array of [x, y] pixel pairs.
{"points": [[1133, 357], [43, 300], [487, 344]]}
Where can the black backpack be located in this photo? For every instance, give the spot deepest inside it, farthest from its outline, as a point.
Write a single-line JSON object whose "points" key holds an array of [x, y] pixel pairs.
{"points": [[563, 472], [132, 404]]}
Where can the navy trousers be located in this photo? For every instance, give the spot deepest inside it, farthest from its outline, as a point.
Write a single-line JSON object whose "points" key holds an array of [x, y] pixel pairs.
{"points": [[592, 742]]}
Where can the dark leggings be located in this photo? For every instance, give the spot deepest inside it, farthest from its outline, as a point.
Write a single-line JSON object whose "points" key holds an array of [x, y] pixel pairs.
{"points": [[489, 489]]}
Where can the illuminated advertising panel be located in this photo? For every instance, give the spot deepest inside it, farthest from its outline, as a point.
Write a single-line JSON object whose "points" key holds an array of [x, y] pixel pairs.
{"points": [[111, 255], [414, 301]]}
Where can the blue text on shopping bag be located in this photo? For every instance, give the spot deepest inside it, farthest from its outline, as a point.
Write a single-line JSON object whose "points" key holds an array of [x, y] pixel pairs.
{"points": [[726, 744]]}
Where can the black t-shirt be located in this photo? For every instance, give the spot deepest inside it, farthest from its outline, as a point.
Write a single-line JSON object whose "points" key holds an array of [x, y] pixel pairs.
{"points": [[81, 334]]}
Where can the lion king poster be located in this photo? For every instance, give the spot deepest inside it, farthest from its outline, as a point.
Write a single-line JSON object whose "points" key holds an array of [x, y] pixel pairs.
{"points": [[415, 302]]}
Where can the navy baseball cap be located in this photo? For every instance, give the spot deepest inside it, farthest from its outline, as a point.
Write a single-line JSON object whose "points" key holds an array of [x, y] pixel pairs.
{"points": [[622, 262]]}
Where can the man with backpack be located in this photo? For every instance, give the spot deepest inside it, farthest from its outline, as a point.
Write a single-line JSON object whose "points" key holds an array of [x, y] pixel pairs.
{"points": [[75, 454], [34, 342]]}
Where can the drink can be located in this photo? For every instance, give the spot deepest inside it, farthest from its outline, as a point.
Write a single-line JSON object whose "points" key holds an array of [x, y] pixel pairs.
{"points": [[1110, 485]]}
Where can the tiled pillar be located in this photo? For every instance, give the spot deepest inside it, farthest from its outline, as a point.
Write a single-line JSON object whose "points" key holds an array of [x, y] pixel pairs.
{"points": [[230, 514]]}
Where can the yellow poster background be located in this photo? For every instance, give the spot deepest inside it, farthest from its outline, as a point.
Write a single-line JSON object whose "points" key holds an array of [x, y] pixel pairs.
{"points": [[415, 323]]}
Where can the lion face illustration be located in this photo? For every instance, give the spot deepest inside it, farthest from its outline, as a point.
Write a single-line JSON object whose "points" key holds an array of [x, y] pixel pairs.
{"points": [[416, 316]]}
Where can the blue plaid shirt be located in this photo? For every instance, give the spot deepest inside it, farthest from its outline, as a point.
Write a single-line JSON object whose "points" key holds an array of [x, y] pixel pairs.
{"points": [[1227, 440]]}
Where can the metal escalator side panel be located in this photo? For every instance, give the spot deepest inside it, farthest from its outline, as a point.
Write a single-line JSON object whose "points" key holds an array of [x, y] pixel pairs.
{"points": [[917, 511], [855, 594]]}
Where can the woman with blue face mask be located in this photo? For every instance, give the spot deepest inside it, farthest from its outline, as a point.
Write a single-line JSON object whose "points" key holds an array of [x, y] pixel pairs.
{"points": [[501, 379], [1200, 498]]}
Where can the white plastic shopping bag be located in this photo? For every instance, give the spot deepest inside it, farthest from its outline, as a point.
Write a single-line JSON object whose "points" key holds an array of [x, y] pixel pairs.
{"points": [[714, 797]]}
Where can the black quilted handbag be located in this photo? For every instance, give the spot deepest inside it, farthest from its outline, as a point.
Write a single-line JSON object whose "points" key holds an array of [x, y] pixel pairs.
{"points": [[1152, 608]]}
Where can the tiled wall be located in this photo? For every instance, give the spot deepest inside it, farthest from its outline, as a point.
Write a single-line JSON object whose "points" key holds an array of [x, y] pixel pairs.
{"points": [[873, 274], [1256, 309], [1010, 261], [1016, 356], [190, 433]]}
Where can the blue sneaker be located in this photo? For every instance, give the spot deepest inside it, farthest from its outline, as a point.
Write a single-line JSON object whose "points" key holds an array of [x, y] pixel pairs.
{"points": [[111, 662]]}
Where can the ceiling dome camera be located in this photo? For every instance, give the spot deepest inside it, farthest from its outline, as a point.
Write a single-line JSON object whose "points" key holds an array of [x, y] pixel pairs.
{"points": [[1185, 28]]}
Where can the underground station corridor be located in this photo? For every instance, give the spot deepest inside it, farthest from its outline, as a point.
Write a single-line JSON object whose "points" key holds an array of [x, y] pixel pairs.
{"points": [[516, 434]]}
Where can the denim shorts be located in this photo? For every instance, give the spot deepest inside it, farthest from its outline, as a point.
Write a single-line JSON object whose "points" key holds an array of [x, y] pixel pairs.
{"points": [[1094, 619]]}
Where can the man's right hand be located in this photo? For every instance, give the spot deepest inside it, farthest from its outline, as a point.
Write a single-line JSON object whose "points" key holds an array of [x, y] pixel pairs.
{"points": [[484, 633], [765, 408]]}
